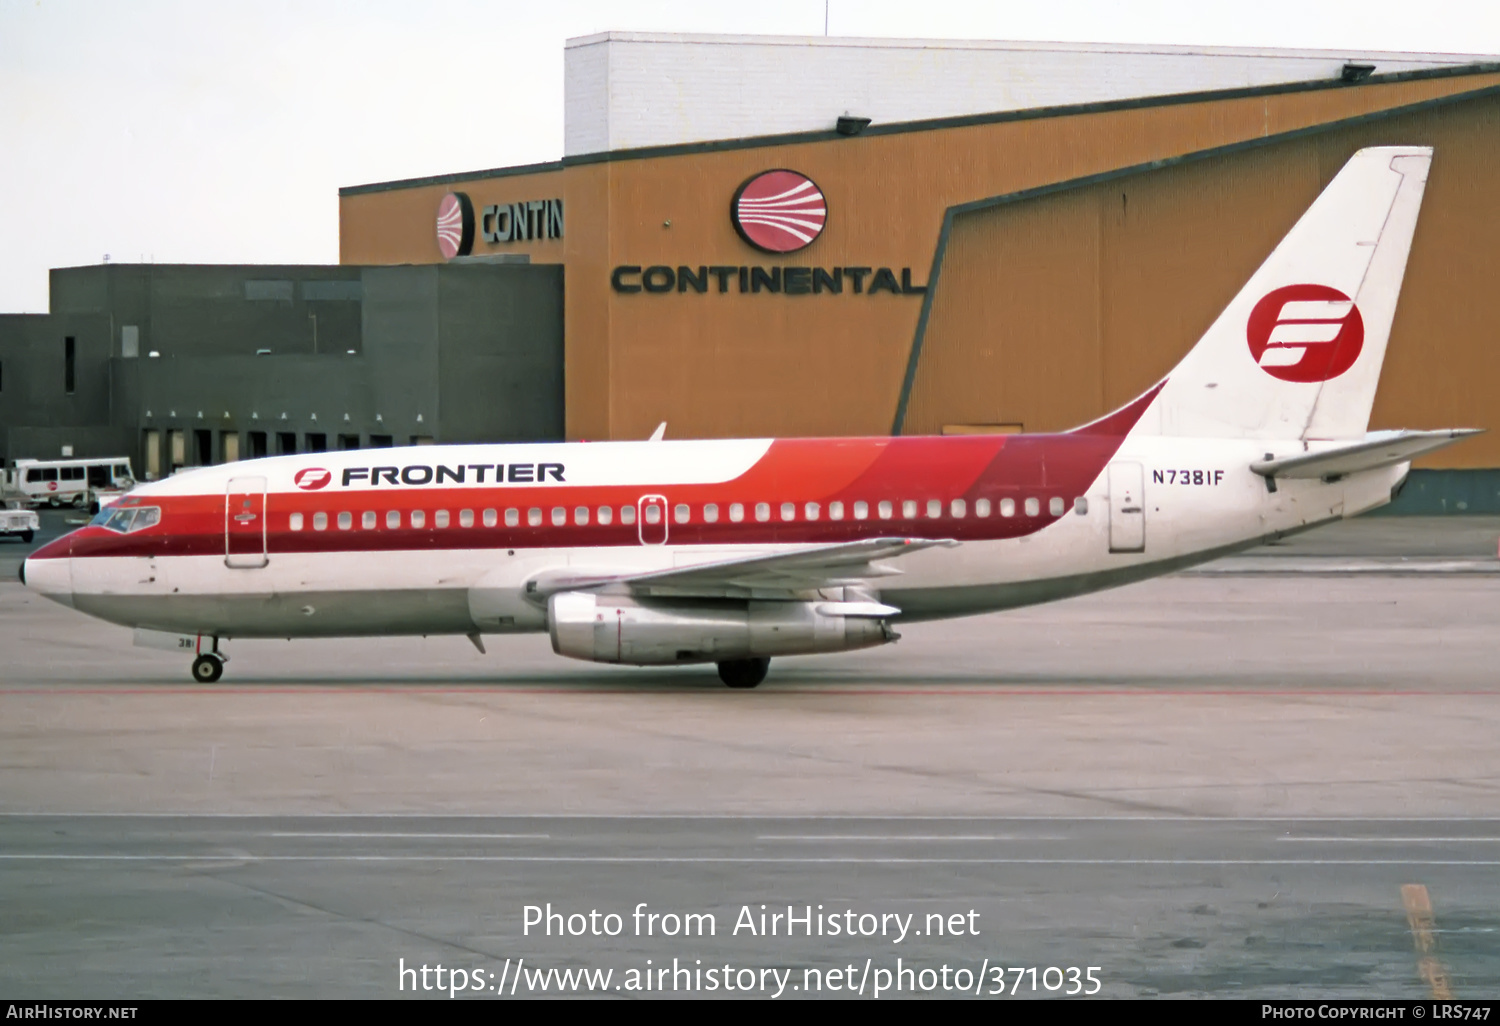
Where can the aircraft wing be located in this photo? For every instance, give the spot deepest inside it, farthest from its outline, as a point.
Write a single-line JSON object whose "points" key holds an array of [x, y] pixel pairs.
{"points": [[1377, 449], [800, 570]]}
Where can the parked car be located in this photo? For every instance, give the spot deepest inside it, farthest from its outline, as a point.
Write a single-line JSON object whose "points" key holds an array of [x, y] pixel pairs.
{"points": [[17, 519]]}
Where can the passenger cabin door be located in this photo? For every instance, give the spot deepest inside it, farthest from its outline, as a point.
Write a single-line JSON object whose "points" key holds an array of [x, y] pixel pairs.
{"points": [[245, 523], [651, 519], [1127, 507]]}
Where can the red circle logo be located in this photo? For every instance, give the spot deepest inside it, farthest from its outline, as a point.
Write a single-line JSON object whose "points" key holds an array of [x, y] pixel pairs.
{"points": [[1305, 333], [779, 211], [51, 486], [311, 479], [455, 225]]}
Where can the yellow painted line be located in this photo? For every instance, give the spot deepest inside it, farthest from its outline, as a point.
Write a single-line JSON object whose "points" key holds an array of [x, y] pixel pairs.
{"points": [[1423, 924]]}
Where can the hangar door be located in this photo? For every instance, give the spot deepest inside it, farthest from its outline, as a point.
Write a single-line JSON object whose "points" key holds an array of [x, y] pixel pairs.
{"points": [[1127, 507]]}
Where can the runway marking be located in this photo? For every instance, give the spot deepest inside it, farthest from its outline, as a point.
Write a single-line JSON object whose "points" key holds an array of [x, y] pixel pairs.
{"points": [[1393, 840], [411, 836], [742, 860], [1423, 924], [908, 837]]}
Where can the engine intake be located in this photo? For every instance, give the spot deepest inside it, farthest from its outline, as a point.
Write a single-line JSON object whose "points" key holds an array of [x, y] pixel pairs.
{"points": [[617, 629]]}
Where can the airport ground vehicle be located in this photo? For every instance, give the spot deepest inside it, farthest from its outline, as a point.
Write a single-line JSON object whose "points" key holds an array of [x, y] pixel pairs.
{"points": [[68, 482], [16, 519], [734, 552]]}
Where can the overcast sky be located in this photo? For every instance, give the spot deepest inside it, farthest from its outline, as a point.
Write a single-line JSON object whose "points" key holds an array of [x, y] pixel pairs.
{"points": [[219, 131]]}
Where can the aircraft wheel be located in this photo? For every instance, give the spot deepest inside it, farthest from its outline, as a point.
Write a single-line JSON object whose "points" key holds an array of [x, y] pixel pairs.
{"points": [[207, 669], [743, 673]]}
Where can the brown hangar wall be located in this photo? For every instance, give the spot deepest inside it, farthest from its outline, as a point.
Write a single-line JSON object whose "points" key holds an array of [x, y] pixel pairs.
{"points": [[718, 365]]}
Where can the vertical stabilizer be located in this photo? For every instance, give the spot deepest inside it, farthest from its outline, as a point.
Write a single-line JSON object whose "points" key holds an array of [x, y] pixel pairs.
{"points": [[1297, 354]]}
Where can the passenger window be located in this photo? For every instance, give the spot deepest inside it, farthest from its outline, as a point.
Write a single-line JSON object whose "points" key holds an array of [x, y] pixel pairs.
{"points": [[789, 511], [627, 515], [534, 517], [559, 516], [1055, 506], [1007, 507], [418, 519], [393, 519], [711, 514], [606, 515], [440, 519], [736, 511], [346, 520], [320, 521], [295, 521], [811, 510], [762, 511], [367, 520], [466, 518], [934, 508], [491, 518], [581, 516], [981, 507], [1081, 506], [512, 518], [835, 511], [653, 514], [884, 509], [958, 508], [680, 513], [909, 509], [1033, 507], [861, 510]]}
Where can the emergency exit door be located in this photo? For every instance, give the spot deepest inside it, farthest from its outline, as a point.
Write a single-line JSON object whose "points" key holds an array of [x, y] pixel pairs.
{"points": [[245, 523], [1127, 507]]}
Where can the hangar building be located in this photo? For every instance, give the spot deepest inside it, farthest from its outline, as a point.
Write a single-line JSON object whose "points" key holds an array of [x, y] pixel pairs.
{"points": [[815, 236]]}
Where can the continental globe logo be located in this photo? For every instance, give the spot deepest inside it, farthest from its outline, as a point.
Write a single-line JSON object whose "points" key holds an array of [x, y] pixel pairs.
{"points": [[455, 225], [779, 211]]}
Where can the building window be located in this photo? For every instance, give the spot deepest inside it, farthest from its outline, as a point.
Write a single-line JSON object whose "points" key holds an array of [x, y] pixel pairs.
{"points": [[379, 442], [348, 441], [295, 521], [316, 442], [466, 518], [70, 364], [286, 443]]}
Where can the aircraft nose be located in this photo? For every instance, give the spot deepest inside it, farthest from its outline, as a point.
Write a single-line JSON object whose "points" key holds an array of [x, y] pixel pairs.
{"points": [[48, 572]]}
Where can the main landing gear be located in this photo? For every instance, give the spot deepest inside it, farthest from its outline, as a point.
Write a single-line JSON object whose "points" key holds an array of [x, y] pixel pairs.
{"points": [[743, 673], [209, 666]]}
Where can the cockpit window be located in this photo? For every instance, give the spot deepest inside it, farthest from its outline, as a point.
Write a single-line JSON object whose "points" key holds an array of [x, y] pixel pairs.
{"points": [[130, 520]]}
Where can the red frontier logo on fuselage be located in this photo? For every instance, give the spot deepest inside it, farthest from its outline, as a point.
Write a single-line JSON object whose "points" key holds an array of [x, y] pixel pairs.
{"points": [[1305, 333], [311, 479], [779, 211]]}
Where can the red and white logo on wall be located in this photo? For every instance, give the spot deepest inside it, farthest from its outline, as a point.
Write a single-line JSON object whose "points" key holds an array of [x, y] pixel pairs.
{"points": [[779, 211], [455, 225], [1305, 333]]}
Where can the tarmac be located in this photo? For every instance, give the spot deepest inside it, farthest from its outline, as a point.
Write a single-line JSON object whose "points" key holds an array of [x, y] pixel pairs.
{"points": [[1273, 777]]}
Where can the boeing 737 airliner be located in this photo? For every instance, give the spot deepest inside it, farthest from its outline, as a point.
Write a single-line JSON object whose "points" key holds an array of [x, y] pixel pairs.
{"points": [[732, 552]]}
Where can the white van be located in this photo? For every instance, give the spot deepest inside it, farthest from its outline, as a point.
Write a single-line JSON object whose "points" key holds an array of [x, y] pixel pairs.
{"points": [[70, 482]]}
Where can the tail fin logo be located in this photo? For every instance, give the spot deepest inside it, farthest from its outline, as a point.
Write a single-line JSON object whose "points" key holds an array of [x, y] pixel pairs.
{"points": [[1305, 333]]}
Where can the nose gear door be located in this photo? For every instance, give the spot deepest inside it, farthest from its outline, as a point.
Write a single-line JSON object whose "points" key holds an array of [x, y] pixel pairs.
{"points": [[245, 523]]}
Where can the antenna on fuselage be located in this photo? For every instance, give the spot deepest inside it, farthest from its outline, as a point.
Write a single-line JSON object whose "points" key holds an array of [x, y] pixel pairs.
{"points": [[659, 433]]}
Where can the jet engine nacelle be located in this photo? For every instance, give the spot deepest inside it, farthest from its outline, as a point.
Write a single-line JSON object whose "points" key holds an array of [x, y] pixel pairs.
{"points": [[617, 629]]}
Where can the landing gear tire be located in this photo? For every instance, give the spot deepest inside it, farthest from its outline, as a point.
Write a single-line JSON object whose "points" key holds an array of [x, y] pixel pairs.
{"points": [[743, 673], [207, 669]]}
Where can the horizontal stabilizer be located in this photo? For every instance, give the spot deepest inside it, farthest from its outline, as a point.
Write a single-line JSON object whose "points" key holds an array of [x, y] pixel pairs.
{"points": [[1377, 449]]}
